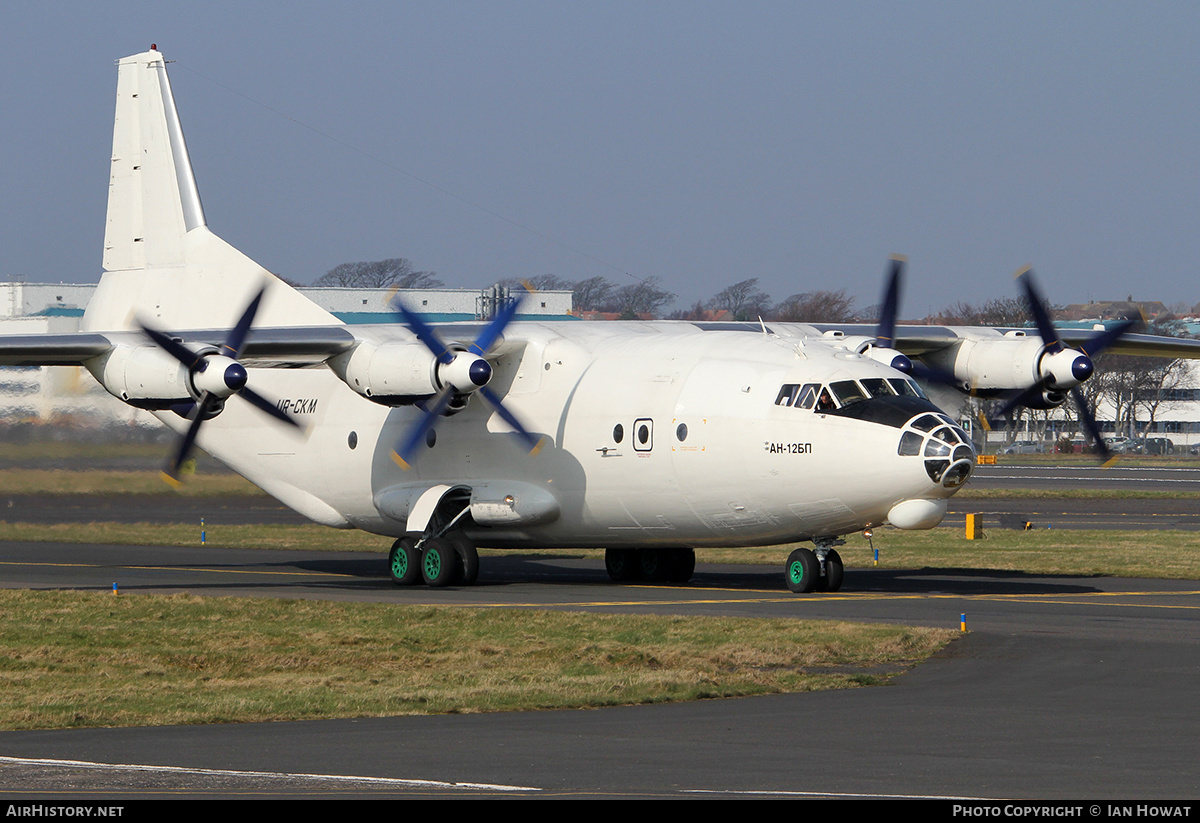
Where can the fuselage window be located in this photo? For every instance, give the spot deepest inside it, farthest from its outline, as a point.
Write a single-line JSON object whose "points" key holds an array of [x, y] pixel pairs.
{"points": [[681, 432], [618, 433], [847, 392], [877, 387]]}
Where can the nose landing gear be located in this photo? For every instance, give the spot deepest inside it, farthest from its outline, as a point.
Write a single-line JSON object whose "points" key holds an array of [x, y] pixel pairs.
{"points": [[815, 571]]}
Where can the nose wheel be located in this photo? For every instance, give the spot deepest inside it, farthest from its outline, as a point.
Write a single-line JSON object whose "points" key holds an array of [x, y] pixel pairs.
{"points": [[814, 571]]}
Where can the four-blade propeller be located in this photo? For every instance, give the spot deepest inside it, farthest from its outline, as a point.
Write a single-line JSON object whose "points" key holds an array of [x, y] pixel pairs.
{"points": [[1062, 367], [215, 376], [460, 373]]}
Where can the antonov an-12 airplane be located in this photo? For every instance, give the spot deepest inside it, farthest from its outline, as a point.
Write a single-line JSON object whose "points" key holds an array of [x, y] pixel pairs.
{"points": [[648, 439]]}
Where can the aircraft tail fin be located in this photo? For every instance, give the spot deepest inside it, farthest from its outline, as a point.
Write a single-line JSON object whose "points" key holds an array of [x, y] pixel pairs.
{"points": [[161, 262]]}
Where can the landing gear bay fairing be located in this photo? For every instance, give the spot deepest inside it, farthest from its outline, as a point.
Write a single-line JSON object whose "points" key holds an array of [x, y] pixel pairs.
{"points": [[648, 439]]}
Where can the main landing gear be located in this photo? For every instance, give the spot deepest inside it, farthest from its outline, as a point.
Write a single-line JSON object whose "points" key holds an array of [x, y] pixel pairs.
{"points": [[449, 560], [815, 571], [650, 565]]}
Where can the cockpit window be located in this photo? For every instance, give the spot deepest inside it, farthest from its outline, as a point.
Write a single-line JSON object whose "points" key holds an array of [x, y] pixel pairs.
{"points": [[906, 388], [847, 392], [825, 401], [808, 396], [797, 396], [877, 387]]}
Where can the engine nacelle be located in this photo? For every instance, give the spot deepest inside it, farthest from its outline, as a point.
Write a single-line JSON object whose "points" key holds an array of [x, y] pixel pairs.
{"points": [[890, 357], [1045, 399], [1017, 361], [392, 374], [869, 347], [397, 374], [144, 376], [1010, 362]]}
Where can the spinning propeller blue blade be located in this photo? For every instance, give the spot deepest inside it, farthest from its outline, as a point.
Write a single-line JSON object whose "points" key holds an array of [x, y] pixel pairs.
{"points": [[480, 374]]}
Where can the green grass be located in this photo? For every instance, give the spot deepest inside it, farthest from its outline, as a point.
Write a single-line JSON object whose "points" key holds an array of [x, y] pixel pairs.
{"points": [[53, 481], [87, 659], [1158, 554]]}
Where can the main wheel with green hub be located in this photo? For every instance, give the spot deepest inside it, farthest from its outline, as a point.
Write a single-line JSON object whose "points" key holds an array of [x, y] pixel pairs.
{"points": [[802, 571], [439, 563], [404, 562]]}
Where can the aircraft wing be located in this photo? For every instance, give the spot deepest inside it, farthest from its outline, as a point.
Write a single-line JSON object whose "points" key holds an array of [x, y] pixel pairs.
{"points": [[916, 341], [51, 349], [1148, 345], [296, 346]]}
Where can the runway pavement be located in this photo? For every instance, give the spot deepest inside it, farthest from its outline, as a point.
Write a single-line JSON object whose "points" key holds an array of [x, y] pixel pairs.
{"points": [[1064, 687]]}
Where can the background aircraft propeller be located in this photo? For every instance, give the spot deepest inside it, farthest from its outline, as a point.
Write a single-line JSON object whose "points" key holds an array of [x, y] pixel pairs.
{"points": [[1062, 367], [885, 332], [461, 373], [215, 376]]}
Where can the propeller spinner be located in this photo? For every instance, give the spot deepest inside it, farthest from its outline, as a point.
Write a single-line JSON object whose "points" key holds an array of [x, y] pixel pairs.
{"points": [[215, 377], [459, 373]]}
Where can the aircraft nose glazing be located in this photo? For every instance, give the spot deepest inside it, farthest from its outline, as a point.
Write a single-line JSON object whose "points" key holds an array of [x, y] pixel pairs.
{"points": [[946, 448]]}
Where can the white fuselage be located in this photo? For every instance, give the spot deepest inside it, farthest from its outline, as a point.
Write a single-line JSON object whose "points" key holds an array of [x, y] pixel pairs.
{"points": [[657, 434]]}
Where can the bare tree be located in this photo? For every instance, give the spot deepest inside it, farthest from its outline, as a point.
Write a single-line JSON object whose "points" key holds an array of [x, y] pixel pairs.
{"points": [[592, 293], [1166, 384], [1000, 311], [540, 282], [644, 297], [395, 272], [696, 312], [815, 307], [744, 300]]}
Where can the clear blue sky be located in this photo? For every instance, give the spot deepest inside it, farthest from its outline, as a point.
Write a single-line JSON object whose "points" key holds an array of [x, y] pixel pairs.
{"points": [[699, 142]]}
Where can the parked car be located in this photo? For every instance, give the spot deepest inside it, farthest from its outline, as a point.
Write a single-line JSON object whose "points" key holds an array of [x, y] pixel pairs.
{"points": [[1123, 445], [1158, 445], [1025, 448]]}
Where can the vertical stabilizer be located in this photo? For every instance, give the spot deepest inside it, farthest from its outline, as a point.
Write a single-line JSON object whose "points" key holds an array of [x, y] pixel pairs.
{"points": [[161, 262], [150, 165]]}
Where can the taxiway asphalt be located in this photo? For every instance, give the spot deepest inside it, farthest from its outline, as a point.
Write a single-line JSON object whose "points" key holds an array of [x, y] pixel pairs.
{"points": [[1063, 687]]}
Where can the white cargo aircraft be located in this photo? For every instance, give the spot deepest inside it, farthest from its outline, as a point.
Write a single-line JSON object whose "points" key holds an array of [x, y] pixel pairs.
{"points": [[651, 438]]}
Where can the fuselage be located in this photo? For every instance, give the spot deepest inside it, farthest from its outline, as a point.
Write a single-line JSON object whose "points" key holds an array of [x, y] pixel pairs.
{"points": [[656, 434]]}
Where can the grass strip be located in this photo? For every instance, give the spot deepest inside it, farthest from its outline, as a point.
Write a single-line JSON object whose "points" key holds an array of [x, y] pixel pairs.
{"points": [[61, 481], [95, 481], [1158, 554], [88, 659]]}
